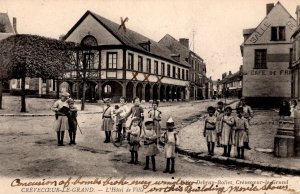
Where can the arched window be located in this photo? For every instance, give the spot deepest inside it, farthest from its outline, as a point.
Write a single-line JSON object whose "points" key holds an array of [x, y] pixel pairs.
{"points": [[89, 41]]}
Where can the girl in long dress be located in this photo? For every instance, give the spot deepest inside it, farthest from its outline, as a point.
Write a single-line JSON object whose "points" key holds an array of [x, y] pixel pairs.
{"points": [[227, 138]]}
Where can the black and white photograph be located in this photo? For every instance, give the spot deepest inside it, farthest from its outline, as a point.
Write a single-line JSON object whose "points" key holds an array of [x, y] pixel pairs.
{"points": [[149, 96]]}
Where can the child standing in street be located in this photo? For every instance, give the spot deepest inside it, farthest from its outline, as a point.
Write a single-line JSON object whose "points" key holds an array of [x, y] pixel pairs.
{"points": [[155, 114], [134, 140], [227, 139], [241, 129], [72, 121], [107, 120], [149, 136], [210, 130], [219, 115], [171, 140]]}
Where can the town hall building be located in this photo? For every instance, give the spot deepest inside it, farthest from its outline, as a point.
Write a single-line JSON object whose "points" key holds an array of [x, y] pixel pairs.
{"points": [[121, 62]]}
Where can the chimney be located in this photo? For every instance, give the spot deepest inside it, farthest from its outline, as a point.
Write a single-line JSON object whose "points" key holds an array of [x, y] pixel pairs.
{"points": [[269, 7], [298, 15], [229, 73], [184, 42], [15, 25]]}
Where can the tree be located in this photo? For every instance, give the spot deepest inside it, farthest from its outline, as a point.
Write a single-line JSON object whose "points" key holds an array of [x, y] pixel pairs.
{"points": [[24, 56]]}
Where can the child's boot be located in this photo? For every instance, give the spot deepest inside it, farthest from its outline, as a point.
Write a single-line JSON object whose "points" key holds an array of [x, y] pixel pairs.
{"points": [[229, 150], [208, 148], [136, 156], [58, 138], [242, 153], [238, 152], [132, 158], [153, 163], [212, 148], [172, 166], [225, 151], [167, 166], [147, 163], [62, 134]]}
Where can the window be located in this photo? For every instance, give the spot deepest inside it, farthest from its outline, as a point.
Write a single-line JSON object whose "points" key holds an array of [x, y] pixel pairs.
{"points": [[174, 72], [260, 59], [89, 60], [111, 60], [187, 74], [278, 33], [149, 65], [156, 67], [140, 63], [130, 61], [54, 85], [183, 74], [162, 68], [178, 76], [291, 56], [168, 70]]}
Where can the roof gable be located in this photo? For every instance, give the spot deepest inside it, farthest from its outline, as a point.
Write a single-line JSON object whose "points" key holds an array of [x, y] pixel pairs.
{"points": [[129, 38], [278, 16], [5, 24]]}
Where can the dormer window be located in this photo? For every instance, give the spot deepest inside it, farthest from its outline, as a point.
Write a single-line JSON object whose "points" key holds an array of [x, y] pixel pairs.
{"points": [[145, 45], [176, 57]]}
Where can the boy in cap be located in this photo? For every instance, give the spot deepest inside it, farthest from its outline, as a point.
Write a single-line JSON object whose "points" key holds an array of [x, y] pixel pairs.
{"points": [[136, 111], [241, 128], [219, 115], [61, 109], [107, 120], [210, 130], [149, 136], [155, 115], [171, 140], [227, 139], [72, 121], [134, 140]]}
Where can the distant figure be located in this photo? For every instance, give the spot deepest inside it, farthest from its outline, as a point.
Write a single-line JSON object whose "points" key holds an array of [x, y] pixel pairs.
{"points": [[284, 109], [293, 107], [61, 109]]}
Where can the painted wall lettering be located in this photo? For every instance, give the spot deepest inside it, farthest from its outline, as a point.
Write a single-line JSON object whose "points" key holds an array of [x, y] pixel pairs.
{"points": [[256, 72], [291, 25], [260, 31]]}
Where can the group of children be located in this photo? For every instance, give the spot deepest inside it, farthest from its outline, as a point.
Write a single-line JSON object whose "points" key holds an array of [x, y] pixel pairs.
{"points": [[65, 118], [226, 130], [142, 131]]}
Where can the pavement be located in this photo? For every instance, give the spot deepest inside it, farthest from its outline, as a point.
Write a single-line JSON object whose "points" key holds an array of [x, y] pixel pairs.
{"points": [[189, 117]]}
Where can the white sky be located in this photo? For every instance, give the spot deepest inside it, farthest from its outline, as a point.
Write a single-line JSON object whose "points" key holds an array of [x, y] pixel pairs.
{"points": [[218, 24]]}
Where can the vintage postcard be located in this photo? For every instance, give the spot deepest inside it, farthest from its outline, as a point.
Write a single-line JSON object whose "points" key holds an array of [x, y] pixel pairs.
{"points": [[174, 96]]}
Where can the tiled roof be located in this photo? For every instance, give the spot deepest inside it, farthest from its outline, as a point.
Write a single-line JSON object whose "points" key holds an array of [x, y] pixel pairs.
{"points": [[4, 19], [132, 38]]}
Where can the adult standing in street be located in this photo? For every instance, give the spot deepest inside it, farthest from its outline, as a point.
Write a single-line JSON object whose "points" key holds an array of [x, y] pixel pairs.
{"points": [[136, 111], [61, 109], [107, 120], [247, 113]]}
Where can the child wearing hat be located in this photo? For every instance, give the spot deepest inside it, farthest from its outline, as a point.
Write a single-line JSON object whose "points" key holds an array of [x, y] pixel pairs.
{"points": [[61, 109], [155, 115], [72, 121], [219, 115], [107, 120], [210, 130], [150, 141], [170, 138], [227, 138], [134, 140], [241, 128]]}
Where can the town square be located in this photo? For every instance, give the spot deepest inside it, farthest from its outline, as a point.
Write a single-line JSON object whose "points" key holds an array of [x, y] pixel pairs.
{"points": [[149, 97]]}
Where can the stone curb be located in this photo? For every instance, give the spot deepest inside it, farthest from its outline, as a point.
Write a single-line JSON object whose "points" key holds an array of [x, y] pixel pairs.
{"points": [[239, 162]]}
